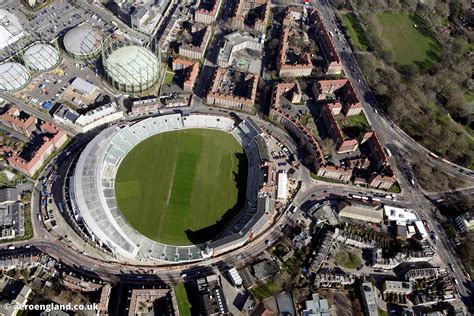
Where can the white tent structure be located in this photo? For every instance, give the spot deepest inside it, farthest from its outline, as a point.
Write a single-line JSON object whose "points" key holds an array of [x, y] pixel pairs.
{"points": [[10, 29]]}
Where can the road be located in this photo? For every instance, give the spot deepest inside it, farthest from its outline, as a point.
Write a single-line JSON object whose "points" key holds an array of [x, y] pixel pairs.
{"points": [[388, 132], [106, 15], [392, 135], [109, 270], [39, 114]]}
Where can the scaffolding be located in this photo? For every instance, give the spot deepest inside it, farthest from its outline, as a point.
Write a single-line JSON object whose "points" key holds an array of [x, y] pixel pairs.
{"points": [[41, 57], [83, 42], [13, 76], [130, 68]]}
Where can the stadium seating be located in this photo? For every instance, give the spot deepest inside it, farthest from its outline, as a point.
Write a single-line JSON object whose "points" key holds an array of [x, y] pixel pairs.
{"points": [[96, 202]]}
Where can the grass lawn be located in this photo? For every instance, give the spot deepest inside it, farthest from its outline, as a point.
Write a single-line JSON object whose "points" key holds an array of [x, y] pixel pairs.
{"points": [[266, 290], [353, 125], [182, 298], [408, 43], [169, 77], [395, 188], [4, 180], [347, 259], [355, 30], [316, 177], [182, 187], [292, 265]]}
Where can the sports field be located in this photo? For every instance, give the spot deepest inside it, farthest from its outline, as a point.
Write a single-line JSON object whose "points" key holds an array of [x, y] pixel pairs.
{"points": [[409, 38], [176, 187]]}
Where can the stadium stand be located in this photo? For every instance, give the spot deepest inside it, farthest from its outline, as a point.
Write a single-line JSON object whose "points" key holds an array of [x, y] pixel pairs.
{"points": [[92, 191]]}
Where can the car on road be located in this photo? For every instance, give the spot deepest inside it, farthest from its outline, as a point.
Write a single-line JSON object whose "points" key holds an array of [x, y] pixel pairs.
{"points": [[450, 266]]}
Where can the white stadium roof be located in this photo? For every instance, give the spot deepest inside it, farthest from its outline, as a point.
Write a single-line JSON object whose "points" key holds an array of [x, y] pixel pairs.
{"points": [[93, 197], [41, 57], [10, 29]]}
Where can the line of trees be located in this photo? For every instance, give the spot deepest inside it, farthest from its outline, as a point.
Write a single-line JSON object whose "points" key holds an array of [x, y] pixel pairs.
{"points": [[426, 99]]}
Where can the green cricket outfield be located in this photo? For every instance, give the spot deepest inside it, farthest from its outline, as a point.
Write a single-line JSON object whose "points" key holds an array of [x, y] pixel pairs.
{"points": [[182, 187]]}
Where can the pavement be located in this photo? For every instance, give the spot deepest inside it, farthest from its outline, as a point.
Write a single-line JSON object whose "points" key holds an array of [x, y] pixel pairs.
{"points": [[108, 269], [387, 131]]}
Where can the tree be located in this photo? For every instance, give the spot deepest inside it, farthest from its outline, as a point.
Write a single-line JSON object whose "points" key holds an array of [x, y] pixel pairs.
{"points": [[394, 5], [410, 70], [454, 10], [339, 4], [387, 56]]}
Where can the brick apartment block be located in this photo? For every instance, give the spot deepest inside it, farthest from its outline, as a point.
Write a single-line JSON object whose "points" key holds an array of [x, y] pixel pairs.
{"points": [[207, 11], [260, 9], [325, 42], [238, 95], [18, 121], [192, 69], [292, 70]]}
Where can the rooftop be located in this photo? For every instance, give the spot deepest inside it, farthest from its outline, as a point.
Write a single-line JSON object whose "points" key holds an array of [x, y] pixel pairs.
{"points": [[369, 297], [8, 195], [229, 83], [399, 214], [397, 286], [316, 307], [291, 54], [243, 51], [252, 12], [361, 213], [83, 86], [263, 270], [20, 119]]}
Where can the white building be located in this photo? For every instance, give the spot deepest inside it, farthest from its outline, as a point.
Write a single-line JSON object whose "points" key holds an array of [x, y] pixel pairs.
{"points": [[420, 227], [235, 276], [399, 215], [316, 307], [282, 192], [83, 87], [233, 50], [10, 29], [82, 123], [397, 287]]}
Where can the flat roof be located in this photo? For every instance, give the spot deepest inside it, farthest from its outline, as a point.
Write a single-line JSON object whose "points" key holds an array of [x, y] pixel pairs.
{"points": [[394, 213], [282, 186], [235, 276], [82, 85], [361, 213]]}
